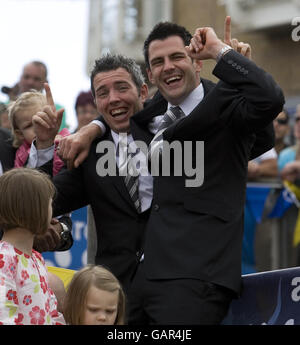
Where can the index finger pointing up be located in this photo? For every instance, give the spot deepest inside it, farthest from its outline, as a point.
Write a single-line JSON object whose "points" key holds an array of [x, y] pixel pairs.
{"points": [[49, 96], [227, 30]]}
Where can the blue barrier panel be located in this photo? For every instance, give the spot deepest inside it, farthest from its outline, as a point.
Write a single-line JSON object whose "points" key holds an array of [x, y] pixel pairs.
{"points": [[254, 207], [255, 199], [248, 253], [269, 298], [283, 203], [76, 256]]}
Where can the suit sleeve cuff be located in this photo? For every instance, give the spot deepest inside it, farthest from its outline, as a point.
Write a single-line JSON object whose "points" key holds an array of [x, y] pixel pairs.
{"points": [[101, 125]]}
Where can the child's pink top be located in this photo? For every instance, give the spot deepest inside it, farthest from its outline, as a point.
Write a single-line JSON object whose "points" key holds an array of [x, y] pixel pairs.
{"points": [[25, 297], [23, 151]]}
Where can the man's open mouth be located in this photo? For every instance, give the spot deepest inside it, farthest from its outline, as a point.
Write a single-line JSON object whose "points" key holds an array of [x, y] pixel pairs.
{"points": [[118, 112], [172, 80]]}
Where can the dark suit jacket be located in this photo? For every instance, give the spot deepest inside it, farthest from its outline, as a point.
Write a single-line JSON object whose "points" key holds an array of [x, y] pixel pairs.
{"points": [[197, 232], [119, 227], [7, 152]]}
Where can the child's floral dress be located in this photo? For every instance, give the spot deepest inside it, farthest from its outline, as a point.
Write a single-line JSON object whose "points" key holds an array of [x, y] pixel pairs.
{"points": [[25, 297]]}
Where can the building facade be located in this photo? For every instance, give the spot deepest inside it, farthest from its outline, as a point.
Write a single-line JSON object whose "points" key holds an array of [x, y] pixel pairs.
{"points": [[272, 27]]}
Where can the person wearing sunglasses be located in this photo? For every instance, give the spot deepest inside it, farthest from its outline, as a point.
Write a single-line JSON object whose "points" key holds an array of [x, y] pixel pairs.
{"points": [[282, 129]]}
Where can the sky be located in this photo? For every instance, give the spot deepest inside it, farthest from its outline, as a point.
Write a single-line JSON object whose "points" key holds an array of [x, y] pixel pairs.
{"points": [[52, 31]]}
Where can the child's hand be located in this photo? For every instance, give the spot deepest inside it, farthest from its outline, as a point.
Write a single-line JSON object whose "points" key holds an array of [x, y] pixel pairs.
{"points": [[46, 123]]}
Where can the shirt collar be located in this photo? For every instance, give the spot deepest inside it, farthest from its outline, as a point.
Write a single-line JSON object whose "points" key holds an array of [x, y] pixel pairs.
{"points": [[192, 100], [116, 137]]}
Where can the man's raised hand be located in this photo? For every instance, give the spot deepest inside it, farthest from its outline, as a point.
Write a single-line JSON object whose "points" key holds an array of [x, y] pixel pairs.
{"points": [[240, 47], [205, 43]]}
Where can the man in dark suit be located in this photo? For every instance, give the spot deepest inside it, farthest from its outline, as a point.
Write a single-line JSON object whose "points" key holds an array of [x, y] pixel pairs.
{"points": [[192, 254], [120, 91], [191, 267]]}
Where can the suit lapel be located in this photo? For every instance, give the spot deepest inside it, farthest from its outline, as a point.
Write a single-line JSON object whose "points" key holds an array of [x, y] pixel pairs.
{"points": [[140, 121]]}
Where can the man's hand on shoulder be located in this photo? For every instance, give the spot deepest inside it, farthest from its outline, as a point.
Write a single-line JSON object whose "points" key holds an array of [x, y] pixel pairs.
{"points": [[74, 148]]}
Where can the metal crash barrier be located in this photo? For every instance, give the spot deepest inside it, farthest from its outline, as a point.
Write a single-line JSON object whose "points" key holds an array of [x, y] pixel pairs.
{"points": [[268, 298], [270, 219]]}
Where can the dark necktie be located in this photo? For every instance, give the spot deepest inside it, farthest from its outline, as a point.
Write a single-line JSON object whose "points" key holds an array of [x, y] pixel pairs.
{"points": [[128, 171], [171, 115]]}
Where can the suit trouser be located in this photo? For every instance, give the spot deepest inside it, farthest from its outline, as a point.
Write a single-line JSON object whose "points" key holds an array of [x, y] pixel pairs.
{"points": [[176, 301]]}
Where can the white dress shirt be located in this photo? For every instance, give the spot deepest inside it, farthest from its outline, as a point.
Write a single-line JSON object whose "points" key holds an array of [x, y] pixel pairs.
{"points": [[187, 106]]}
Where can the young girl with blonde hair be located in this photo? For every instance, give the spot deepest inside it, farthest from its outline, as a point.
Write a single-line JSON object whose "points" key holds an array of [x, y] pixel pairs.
{"points": [[94, 297], [20, 114]]}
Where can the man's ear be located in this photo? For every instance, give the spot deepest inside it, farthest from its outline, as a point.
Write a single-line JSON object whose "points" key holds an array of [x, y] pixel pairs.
{"points": [[197, 65], [144, 92], [150, 77]]}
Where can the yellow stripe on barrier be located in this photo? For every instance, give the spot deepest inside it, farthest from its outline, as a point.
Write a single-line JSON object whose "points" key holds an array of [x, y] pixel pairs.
{"points": [[64, 274], [296, 190]]}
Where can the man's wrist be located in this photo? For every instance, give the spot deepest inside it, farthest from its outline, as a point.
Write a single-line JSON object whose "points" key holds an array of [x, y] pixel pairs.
{"points": [[99, 127], [222, 51]]}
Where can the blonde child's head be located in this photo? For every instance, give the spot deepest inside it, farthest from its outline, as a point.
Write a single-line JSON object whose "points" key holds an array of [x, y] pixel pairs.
{"points": [[94, 296], [26, 200], [20, 114]]}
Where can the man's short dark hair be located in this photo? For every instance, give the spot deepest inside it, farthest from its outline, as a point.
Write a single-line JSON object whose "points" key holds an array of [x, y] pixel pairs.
{"points": [[111, 62], [162, 31]]}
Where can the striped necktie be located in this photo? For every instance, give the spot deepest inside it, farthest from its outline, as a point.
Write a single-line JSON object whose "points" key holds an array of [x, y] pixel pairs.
{"points": [[129, 172], [171, 115]]}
